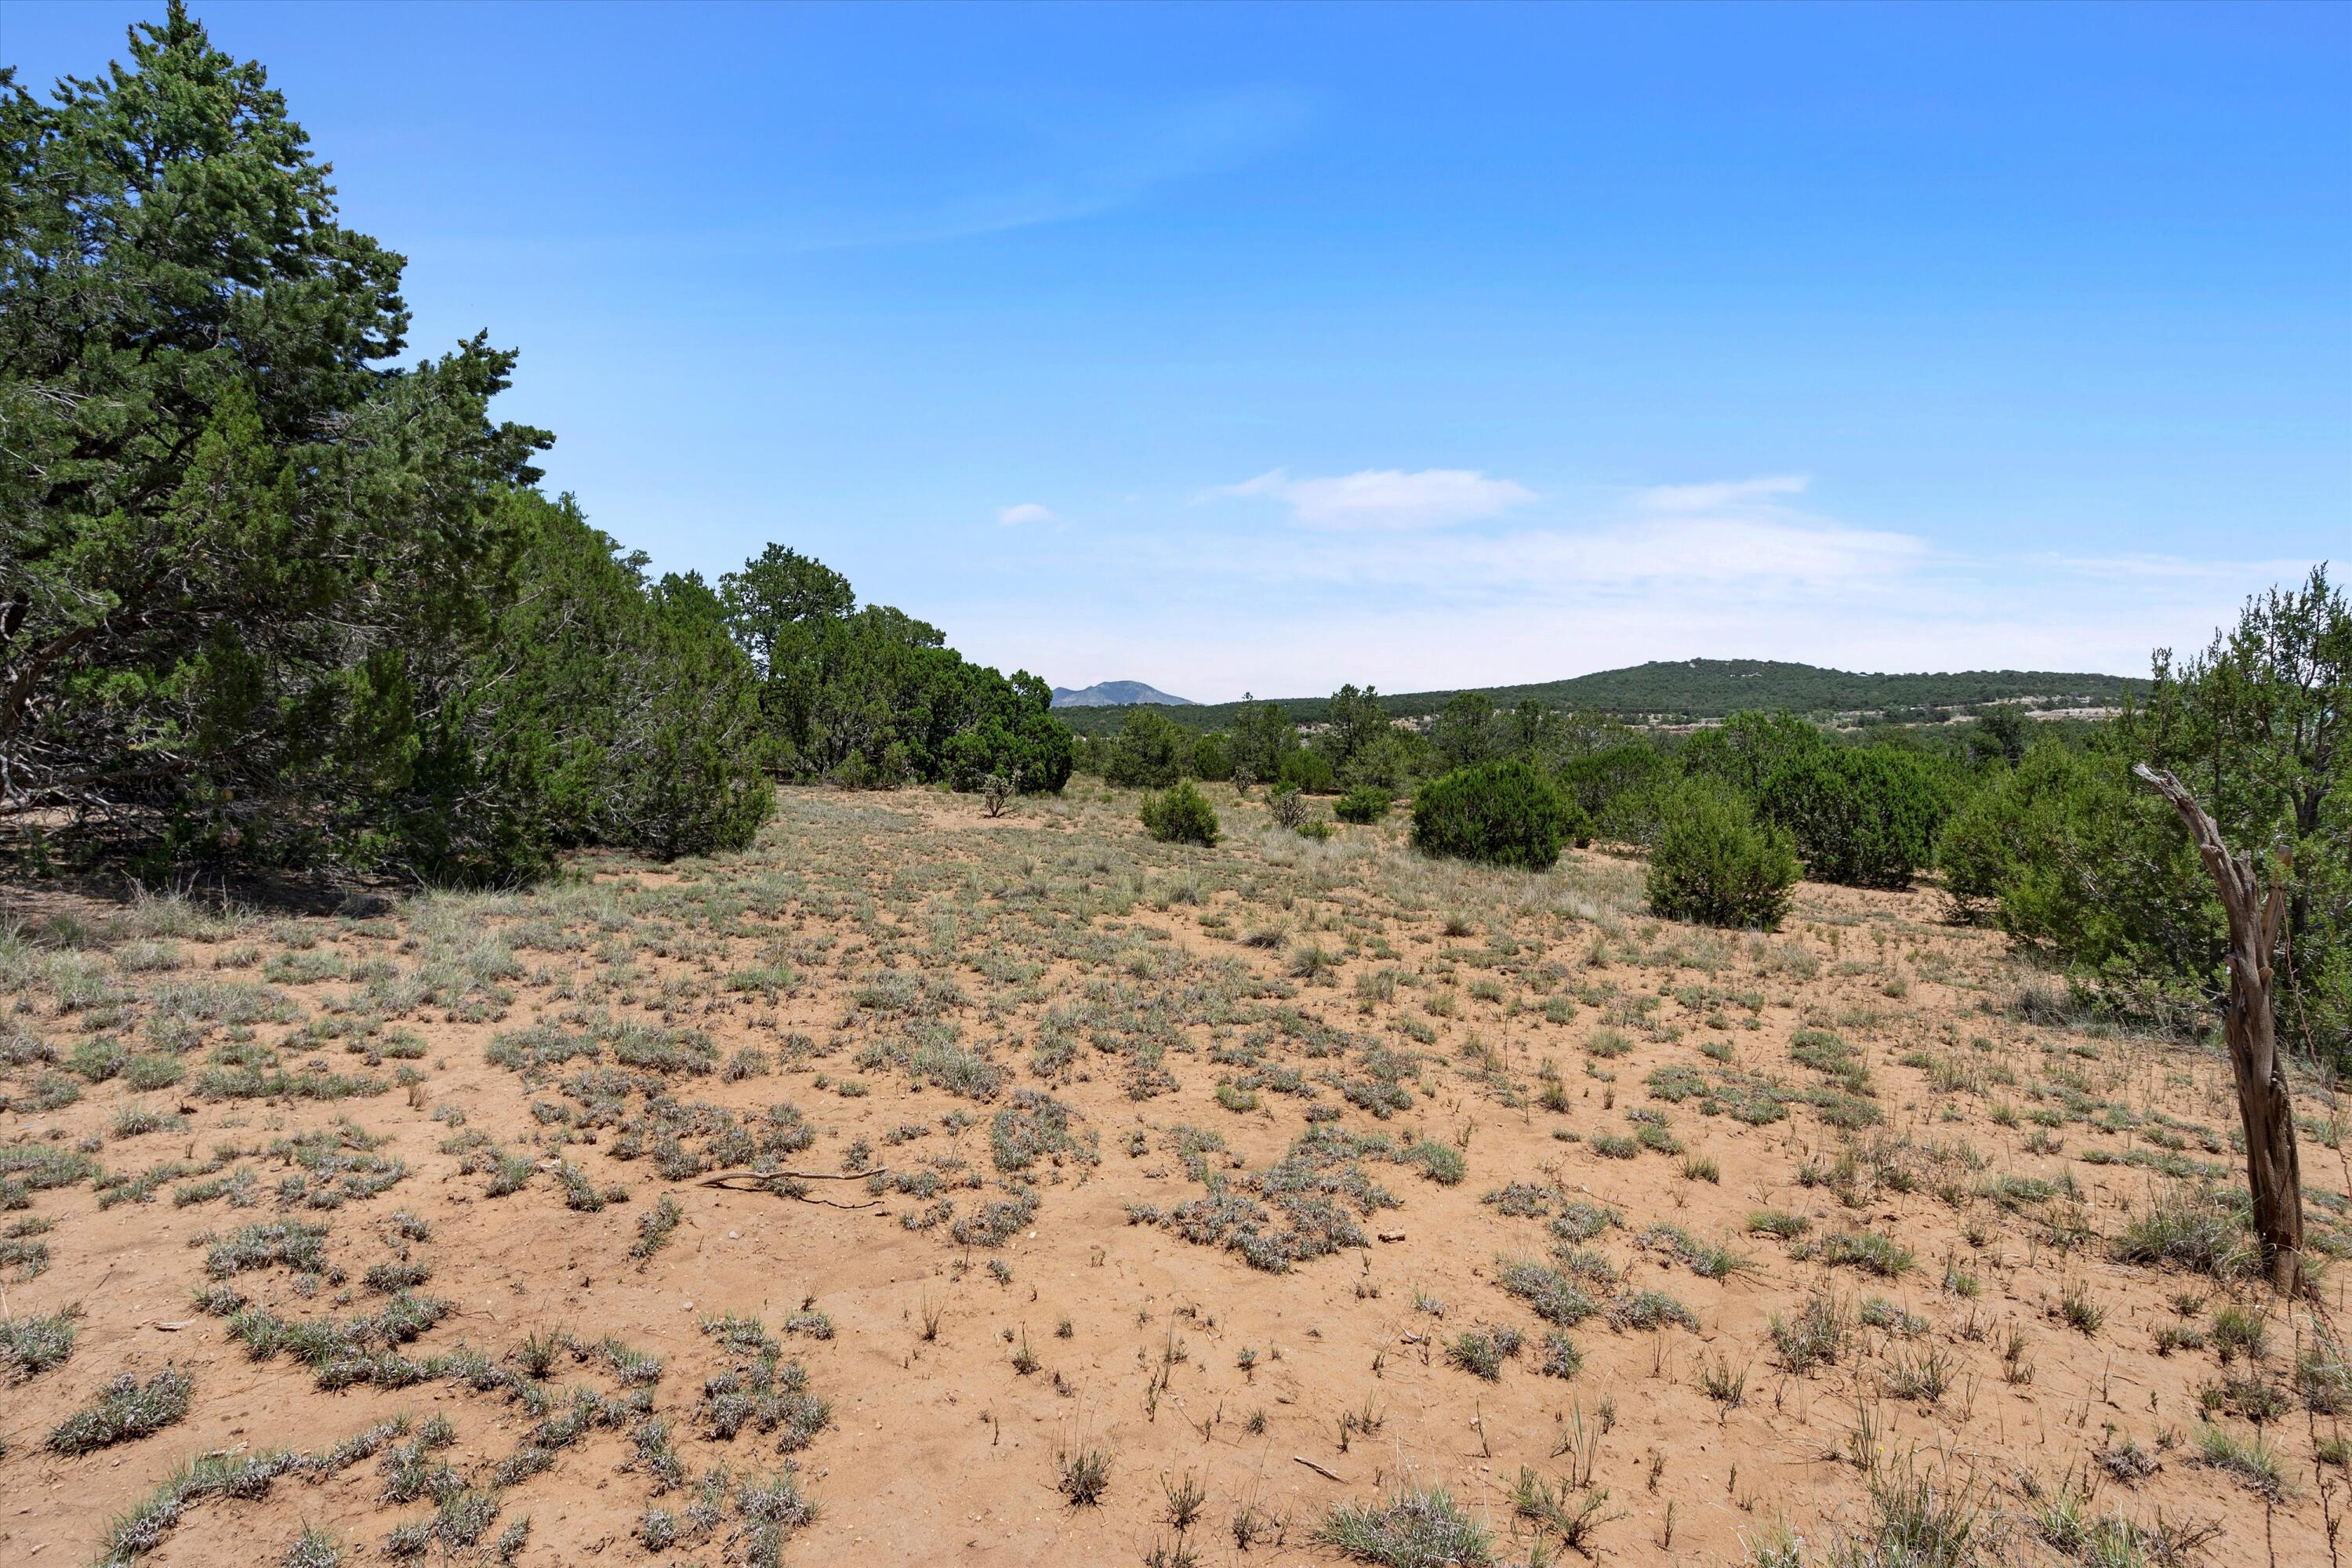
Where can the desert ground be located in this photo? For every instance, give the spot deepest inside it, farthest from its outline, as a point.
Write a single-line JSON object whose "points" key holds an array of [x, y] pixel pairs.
{"points": [[917, 1186]]}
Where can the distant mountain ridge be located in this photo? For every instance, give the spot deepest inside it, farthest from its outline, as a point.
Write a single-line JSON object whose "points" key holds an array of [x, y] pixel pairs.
{"points": [[1694, 689], [1116, 694]]}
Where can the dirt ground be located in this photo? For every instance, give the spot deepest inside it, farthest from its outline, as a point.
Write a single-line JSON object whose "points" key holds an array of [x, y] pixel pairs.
{"points": [[1274, 1178]]}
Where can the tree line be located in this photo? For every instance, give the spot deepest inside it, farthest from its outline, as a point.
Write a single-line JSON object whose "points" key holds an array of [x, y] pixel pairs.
{"points": [[270, 597]]}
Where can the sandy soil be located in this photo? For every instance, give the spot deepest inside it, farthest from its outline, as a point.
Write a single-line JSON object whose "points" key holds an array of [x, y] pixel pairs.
{"points": [[906, 975]]}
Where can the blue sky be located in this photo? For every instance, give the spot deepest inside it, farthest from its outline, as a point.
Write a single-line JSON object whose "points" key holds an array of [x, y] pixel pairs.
{"points": [[1232, 349]]}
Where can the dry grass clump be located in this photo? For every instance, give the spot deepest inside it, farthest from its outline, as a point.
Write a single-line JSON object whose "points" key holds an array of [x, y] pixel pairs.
{"points": [[125, 1409]]}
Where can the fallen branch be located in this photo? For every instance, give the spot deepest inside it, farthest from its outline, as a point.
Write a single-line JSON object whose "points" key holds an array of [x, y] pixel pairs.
{"points": [[774, 1185], [718, 1177], [1327, 1475]]}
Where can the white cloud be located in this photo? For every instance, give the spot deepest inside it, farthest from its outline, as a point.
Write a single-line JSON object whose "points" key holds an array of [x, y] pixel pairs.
{"points": [[1027, 511], [1738, 536], [1387, 498], [1756, 555], [1740, 568], [1721, 494], [2283, 571]]}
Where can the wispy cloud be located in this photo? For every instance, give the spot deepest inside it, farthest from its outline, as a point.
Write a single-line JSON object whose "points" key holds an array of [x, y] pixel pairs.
{"points": [[1115, 164], [1387, 498], [2176, 569], [978, 173], [1739, 536], [1720, 494], [1027, 511]]}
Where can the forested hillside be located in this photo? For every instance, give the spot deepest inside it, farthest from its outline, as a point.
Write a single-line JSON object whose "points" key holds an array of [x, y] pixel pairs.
{"points": [[1699, 688]]}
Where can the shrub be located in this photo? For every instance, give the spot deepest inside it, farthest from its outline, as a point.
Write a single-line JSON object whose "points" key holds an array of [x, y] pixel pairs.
{"points": [[1148, 751], [1365, 802], [1866, 816], [1506, 814], [1866, 1250], [2089, 870], [1309, 770], [1746, 749], [1477, 1354], [1181, 815], [2200, 1230], [621, 715], [1014, 736], [1715, 863], [2086, 873], [1597, 782]]}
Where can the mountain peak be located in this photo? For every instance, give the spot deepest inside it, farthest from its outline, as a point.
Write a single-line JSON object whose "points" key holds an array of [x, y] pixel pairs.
{"points": [[1116, 693]]}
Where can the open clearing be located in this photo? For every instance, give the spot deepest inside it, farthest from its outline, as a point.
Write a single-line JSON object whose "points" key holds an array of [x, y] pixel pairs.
{"points": [[1045, 1146]]}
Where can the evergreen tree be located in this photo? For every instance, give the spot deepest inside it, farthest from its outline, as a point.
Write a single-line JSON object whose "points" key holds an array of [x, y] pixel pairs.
{"points": [[264, 600], [224, 623], [1464, 734], [1149, 752], [1264, 743]]}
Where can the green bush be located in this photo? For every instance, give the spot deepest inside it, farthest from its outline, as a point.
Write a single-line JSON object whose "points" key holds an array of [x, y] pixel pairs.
{"points": [[1365, 802], [2086, 868], [1308, 771], [1150, 751], [1263, 742], [1598, 780], [1506, 814], [1027, 746], [1865, 816], [1983, 848], [1181, 815], [1748, 748], [1715, 863], [1212, 758], [2093, 876]]}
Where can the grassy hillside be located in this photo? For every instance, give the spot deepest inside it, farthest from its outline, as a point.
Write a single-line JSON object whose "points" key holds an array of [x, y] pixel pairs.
{"points": [[1711, 689]]}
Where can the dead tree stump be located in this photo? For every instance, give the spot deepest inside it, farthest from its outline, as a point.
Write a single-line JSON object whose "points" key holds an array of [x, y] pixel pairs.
{"points": [[2273, 1175]]}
